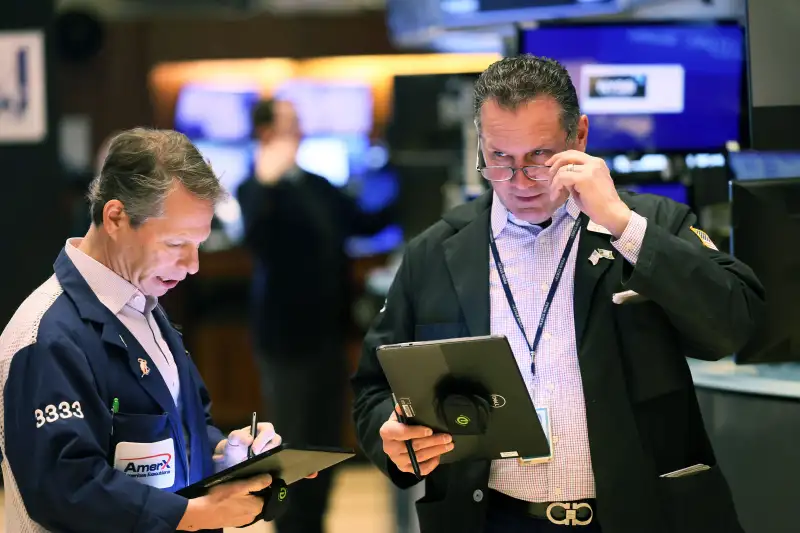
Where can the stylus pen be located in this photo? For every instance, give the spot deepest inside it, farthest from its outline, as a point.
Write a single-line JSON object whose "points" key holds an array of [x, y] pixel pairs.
{"points": [[409, 446], [253, 430]]}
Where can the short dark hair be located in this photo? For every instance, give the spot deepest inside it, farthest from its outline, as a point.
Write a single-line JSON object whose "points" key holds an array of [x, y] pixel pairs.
{"points": [[141, 168], [263, 114], [513, 81]]}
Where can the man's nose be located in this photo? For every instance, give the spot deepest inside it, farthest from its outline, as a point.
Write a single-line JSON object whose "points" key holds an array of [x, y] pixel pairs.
{"points": [[191, 261]]}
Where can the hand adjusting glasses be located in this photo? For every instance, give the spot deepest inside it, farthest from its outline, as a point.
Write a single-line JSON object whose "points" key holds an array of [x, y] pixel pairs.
{"points": [[504, 173]]}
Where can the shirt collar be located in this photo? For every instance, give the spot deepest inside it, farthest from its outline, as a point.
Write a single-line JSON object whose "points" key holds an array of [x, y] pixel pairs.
{"points": [[500, 216], [113, 291]]}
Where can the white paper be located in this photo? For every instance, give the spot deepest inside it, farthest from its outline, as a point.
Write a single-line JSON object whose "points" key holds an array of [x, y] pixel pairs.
{"points": [[23, 105]]}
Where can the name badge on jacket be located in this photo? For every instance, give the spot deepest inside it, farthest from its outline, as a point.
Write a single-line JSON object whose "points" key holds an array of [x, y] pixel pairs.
{"points": [[150, 463]]}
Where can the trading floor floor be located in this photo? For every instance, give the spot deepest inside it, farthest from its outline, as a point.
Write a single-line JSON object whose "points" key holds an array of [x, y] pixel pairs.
{"points": [[362, 502]]}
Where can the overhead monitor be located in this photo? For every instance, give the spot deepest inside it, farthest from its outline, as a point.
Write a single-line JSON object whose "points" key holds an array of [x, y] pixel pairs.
{"points": [[466, 13], [215, 112], [674, 88], [330, 108], [757, 165]]}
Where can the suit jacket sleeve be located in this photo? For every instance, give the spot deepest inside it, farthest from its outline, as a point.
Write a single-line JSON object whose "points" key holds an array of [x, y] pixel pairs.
{"points": [[712, 299], [373, 401]]}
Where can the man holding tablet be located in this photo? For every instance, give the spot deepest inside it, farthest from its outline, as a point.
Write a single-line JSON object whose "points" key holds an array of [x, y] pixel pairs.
{"points": [[104, 416], [602, 296]]}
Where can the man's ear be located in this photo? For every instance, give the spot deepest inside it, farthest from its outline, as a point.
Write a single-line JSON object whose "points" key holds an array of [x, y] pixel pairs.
{"points": [[114, 217], [582, 135]]}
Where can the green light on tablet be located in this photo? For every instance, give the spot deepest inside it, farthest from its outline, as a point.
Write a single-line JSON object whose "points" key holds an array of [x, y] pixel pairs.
{"points": [[462, 420]]}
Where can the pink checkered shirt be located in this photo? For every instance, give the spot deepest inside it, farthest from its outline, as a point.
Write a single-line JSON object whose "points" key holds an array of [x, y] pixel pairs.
{"points": [[530, 256]]}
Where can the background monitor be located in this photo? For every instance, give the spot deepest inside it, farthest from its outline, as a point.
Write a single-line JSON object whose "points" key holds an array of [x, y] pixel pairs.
{"points": [[765, 235], [755, 165], [215, 112], [652, 87], [471, 13]]}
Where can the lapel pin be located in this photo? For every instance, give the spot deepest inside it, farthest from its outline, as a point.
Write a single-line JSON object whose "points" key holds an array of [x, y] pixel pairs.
{"points": [[143, 367], [599, 254], [123, 341], [606, 254]]}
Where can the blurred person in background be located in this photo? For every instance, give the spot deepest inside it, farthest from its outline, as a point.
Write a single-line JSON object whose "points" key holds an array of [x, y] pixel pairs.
{"points": [[97, 385], [296, 225]]}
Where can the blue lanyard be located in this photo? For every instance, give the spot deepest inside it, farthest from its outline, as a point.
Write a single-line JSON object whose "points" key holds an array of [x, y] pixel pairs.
{"points": [[550, 295]]}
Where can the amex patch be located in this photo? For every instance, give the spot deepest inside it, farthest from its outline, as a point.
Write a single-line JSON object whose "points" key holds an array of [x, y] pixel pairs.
{"points": [[705, 239]]}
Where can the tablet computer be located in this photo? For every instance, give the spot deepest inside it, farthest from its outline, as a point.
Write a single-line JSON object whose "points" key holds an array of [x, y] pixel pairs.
{"points": [[285, 461], [416, 372]]}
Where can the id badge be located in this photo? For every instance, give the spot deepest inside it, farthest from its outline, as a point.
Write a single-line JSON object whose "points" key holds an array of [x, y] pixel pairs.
{"points": [[149, 463], [544, 419]]}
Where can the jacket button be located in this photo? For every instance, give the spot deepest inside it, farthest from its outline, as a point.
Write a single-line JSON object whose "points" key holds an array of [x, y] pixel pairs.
{"points": [[477, 496]]}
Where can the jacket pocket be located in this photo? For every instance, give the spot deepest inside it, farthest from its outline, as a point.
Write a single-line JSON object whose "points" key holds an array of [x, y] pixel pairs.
{"points": [[439, 331], [143, 448], [653, 356], [699, 503], [140, 428]]}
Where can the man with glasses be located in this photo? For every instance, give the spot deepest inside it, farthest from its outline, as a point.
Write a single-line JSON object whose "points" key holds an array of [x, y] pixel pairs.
{"points": [[601, 295]]}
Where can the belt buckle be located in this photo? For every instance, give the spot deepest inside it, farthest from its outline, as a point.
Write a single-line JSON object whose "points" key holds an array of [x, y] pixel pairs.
{"points": [[571, 512]]}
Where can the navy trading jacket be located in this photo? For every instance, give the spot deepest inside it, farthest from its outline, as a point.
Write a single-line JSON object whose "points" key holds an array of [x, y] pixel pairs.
{"points": [[70, 463]]}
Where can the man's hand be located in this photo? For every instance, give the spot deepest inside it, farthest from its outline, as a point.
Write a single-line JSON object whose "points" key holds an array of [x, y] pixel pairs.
{"points": [[229, 504], [427, 446], [589, 182], [275, 159], [233, 450]]}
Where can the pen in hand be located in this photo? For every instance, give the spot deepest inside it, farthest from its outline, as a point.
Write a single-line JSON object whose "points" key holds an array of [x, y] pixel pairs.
{"points": [[253, 429], [409, 446]]}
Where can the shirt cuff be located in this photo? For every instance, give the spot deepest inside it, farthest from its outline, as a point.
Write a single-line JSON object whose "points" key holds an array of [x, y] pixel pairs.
{"points": [[629, 243]]}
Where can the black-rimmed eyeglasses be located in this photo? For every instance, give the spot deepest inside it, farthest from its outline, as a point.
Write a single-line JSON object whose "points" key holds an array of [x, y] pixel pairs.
{"points": [[504, 173]]}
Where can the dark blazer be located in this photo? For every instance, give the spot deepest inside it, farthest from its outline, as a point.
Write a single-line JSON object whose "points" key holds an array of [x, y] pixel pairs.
{"points": [[642, 412], [296, 230]]}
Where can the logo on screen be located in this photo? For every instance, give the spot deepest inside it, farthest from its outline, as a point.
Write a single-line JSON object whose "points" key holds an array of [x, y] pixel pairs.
{"points": [[618, 86]]}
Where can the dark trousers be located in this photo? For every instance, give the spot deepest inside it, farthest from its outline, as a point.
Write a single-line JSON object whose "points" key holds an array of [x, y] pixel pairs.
{"points": [[304, 399], [498, 521]]}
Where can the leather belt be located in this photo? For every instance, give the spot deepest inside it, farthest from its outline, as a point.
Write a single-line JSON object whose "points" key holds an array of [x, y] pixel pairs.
{"points": [[560, 513]]}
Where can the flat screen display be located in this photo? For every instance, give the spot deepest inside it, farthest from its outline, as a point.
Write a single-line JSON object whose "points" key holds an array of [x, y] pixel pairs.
{"points": [[652, 88], [756, 165], [215, 112], [458, 13]]}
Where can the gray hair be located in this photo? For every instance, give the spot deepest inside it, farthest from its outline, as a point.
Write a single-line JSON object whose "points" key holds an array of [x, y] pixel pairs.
{"points": [[142, 167], [513, 81]]}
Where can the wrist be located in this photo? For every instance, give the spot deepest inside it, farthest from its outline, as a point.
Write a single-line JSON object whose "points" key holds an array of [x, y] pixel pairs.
{"points": [[196, 517], [619, 221]]}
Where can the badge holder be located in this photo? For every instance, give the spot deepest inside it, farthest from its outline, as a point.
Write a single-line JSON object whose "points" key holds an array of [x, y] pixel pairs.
{"points": [[544, 419], [276, 501], [463, 406]]}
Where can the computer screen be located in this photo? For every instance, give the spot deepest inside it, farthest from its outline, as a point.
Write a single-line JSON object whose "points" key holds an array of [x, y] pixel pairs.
{"points": [[215, 112], [459, 13], [756, 165], [326, 108], [652, 87], [765, 235]]}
